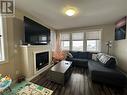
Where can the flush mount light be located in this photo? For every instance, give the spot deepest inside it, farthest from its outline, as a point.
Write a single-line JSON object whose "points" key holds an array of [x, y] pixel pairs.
{"points": [[70, 11]]}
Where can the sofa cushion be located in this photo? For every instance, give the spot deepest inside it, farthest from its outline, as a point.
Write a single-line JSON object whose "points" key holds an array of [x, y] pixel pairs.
{"points": [[83, 55], [80, 62], [99, 55], [98, 66], [90, 55], [74, 54], [100, 73], [94, 57], [69, 55], [107, 60]]}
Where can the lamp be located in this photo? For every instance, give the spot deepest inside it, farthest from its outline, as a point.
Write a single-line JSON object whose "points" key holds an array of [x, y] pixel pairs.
{"points": [[109, 45]]}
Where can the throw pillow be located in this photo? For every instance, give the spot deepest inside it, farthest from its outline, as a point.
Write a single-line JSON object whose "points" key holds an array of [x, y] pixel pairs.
{"points": [[111, 62], [102, 59], [94, 57], [99, 55], [69, 55]]}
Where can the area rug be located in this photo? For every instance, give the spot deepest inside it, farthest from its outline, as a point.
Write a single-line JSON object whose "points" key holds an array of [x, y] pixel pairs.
{"points": [[28, 88]]}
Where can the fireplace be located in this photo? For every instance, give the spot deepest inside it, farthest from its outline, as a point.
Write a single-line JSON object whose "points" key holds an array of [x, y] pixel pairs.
{"points": [[42, 60]]}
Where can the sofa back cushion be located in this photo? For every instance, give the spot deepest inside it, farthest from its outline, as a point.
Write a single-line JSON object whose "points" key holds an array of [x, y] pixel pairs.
{"points": [[107, 60], [74, 54], [83, 55]]}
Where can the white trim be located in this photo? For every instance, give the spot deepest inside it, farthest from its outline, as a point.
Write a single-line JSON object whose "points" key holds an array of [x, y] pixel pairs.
{"points": [[4, 40], [47, 67]]}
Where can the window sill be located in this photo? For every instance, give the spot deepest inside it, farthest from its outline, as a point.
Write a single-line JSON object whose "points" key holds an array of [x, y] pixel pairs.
{"points": [[3, 62], [94, 51]]}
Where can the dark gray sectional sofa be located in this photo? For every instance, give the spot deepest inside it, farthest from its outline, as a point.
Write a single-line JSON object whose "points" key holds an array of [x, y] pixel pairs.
{"points": [[80, 58], [103, 69]]}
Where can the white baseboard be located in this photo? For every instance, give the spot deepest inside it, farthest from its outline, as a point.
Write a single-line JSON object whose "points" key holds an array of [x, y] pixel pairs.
{"points": [[41, 71]]}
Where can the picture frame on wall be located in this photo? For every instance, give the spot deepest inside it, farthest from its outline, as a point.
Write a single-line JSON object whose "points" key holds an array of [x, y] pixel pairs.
{"points": [[120, 29]]}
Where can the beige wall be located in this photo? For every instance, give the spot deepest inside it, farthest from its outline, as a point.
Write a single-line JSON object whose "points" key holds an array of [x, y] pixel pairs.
{"points": [[120, 51], [107, 33], [15, 30]]}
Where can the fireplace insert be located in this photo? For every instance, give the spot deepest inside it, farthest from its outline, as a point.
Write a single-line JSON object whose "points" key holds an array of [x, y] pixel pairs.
{"points": [[42, 59]]}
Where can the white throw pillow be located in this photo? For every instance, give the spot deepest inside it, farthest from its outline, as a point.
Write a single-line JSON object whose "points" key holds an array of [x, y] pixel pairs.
{"points": [[94, 57]]}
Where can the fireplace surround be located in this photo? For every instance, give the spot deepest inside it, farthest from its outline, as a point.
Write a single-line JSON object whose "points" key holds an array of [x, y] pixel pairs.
{"points": [[29, 60]]}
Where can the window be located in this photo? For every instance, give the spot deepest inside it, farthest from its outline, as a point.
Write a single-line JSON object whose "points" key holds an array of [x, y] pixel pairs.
{"points": [[77, 45], [82, 41], [93, 41], [2, 57], [65, 45], [65, 41], [77, 41], [93, 45]]}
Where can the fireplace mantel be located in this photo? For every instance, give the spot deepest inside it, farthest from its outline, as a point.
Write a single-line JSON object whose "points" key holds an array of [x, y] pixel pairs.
{"points": [[28, 59]]}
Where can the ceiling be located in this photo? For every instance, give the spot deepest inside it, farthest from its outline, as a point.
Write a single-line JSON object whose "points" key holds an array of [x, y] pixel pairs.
{"points": [[91, 12]]}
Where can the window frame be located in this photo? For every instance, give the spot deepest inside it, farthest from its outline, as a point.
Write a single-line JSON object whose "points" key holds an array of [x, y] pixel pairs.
{"points": [[82, 45], [4, 37], [85, 39], [98, 47], [64, 41]]}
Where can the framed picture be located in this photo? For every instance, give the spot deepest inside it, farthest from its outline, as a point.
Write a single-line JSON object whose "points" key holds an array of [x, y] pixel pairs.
{"points": [[120, 29]]}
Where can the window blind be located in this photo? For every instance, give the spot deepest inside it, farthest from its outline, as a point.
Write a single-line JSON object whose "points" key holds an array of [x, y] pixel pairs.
{"points": [[65, 36], [93, 35], [77, 36]]}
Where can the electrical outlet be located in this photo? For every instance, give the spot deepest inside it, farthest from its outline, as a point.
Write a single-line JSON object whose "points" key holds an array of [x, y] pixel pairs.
{"points": [[17, 72]]}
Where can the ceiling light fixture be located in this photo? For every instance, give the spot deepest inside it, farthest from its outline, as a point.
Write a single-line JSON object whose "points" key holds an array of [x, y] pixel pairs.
{"points": [[70, 12]]}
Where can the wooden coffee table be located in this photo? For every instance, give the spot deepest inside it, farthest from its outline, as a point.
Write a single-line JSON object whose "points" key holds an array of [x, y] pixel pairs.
{"points": [[60, 72]]}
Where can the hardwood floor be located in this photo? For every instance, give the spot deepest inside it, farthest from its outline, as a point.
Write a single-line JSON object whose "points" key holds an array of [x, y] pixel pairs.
{"points": [[78, 84]]}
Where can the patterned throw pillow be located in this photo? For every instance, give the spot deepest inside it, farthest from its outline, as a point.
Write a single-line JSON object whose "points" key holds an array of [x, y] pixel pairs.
{"points": [[104, 58], [107, 60], [99, 55]]}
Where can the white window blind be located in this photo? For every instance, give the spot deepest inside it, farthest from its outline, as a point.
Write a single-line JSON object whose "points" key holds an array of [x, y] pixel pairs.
{"points": [[77, 41], [65, 36], [93, 35], [65, 41], [93, 41], [77, 36]]}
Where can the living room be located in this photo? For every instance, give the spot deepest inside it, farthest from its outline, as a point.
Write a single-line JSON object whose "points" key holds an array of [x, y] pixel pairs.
{"points": [[75, 31]]}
